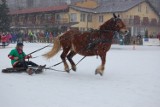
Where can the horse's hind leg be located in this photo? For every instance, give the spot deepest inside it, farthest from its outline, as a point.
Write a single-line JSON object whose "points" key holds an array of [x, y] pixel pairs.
{"points": [[63, 57], [69, 57]]}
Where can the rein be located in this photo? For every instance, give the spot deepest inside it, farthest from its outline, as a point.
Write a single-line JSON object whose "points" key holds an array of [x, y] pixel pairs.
{"points": [[50, 68], [36, 51]]}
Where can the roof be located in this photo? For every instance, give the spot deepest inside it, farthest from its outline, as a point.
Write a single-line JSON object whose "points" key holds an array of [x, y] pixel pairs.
{"points": [[75, 1], [111, 6], [38, 10]]}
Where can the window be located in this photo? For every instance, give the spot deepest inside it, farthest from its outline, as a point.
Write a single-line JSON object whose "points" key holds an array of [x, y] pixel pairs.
{"points": [[58, 16], [131, 17], [73, 17], [47, 17], [147, 10], [30, 3], [83, 17], [101, 18], [139, 8], [89, 17]]}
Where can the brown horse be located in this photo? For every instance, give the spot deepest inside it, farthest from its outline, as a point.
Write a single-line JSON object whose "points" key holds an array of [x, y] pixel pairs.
{"points": [[96, 42]]}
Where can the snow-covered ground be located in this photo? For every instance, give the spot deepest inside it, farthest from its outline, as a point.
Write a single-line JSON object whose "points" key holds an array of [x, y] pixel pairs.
{"points": [[131, 79]]}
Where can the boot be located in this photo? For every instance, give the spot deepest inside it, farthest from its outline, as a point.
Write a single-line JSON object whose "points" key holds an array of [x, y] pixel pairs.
{"points": [[40, 69], [29, 71]]}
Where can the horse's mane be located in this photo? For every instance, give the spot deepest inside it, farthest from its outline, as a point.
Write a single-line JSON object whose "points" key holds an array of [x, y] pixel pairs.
{"points": [[106, 25]]}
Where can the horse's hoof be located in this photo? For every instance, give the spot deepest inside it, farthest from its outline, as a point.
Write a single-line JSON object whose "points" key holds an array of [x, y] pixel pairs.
{"points": [[98, 72], [67, 70], [74, 68]]}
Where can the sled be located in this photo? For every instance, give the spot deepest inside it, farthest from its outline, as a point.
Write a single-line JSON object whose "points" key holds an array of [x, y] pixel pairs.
{"points": [[29, 70]]}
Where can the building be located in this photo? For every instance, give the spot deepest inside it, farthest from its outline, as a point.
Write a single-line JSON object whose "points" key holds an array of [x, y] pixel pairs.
{"points": [[40, 19], [139, 15], [156, 4], [23, 4]]}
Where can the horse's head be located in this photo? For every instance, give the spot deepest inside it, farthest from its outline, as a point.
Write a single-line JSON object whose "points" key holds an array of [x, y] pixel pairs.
{"points": [[115, 24]]}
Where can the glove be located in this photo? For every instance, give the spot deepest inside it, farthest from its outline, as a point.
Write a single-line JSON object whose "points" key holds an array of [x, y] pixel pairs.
{"points": [[28, 56], [16, 58]]}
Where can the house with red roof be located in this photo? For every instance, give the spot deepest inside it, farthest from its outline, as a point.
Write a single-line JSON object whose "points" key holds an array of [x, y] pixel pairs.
{"points": [[38, 19]]}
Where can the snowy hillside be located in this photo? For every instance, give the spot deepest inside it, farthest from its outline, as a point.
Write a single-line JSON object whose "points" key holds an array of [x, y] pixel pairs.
{"points": [[131, 79]]}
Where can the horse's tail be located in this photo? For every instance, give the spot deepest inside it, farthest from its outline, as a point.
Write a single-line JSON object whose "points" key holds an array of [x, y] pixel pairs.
{"points": [[55, 49]]}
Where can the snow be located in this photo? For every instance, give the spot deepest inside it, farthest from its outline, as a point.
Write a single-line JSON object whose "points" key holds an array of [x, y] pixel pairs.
{"points": [[131, 79]]}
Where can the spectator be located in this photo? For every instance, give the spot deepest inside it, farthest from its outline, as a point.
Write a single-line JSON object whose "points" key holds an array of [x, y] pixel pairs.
{"points": [[30, 34], [50, 37], [0, 36], [4, 40], [34, 37], [158, 36], [47, 37], [14, 37], [9, 37], [134, 43]]}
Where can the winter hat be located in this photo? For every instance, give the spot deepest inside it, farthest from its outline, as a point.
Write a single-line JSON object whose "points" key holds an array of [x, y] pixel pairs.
{"points": [[20, 44]]}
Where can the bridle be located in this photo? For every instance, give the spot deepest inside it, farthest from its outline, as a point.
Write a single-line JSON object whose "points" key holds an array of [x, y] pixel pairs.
{"points": [[92, 43]]}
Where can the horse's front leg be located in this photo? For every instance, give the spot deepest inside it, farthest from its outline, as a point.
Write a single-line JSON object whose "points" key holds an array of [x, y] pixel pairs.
{"points": [[63, 57], [101, 68]]}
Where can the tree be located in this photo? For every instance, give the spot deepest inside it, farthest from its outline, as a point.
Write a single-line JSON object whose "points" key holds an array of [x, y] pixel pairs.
{"points": [[4, 17]]}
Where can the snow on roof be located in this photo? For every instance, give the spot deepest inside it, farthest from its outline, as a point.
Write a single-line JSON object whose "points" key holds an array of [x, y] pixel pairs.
{"points": [[42, 9], [111, 6]]}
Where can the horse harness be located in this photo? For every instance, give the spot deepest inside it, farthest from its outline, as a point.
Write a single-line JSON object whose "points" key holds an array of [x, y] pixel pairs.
{"points": [[92, 43]]}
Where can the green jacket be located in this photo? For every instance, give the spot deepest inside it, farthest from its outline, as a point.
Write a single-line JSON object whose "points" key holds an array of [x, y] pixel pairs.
{"points": [[14, 53]]}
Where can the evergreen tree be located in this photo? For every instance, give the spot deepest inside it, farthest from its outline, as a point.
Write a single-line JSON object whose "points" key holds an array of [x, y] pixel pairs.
{"points": [[4, 17]]}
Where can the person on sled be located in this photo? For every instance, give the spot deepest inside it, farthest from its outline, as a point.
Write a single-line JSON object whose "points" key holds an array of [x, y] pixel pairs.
{"points": [[18, 62]]}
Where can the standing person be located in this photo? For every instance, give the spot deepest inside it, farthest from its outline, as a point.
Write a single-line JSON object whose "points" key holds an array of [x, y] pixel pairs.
{"points": [[30, 34], [38, 37], [134, 43], [50, 37], [14, 37], [158, 36], [47, 37], [138, 39], [0, 36], [43, 38], [4, 40], [34, 37], [18, 57], [9, 36]]}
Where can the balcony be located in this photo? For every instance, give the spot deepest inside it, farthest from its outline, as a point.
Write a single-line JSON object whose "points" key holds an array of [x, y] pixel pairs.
{"points": [[13, 23], [62, 21], [128, 21], [20, 23], [144, 22]]}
